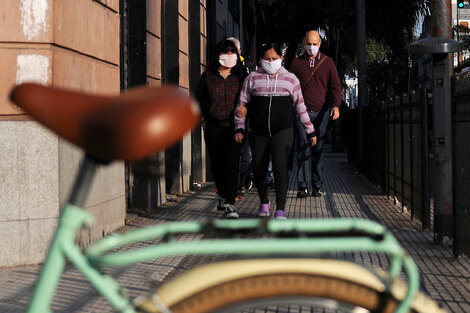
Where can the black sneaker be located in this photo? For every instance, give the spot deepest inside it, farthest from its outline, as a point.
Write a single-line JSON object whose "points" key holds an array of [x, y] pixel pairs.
{"points": [[316, 192], [230, 211], [220, 204], [302, 193]]}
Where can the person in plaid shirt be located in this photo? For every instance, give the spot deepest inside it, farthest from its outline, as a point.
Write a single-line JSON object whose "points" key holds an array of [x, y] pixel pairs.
{"points": [[217, 93]]}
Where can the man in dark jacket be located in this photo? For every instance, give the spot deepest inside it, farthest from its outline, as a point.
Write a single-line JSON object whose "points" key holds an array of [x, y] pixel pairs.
{"points": [[318, 77]]}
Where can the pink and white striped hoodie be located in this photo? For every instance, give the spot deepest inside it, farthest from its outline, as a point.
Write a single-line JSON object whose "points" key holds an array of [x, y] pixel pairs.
{"points": [[283, 83]]}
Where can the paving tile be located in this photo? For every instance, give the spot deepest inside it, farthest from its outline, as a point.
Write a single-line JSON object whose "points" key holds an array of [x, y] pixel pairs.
{"points": [[345, 194]]}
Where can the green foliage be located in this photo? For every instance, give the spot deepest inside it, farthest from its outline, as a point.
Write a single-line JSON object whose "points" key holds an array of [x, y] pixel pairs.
{"points": [[377, 51], [387, 73], [389, 27]]}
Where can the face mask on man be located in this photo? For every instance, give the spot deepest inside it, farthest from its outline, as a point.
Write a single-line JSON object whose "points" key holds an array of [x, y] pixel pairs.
{"points": [[271, 67], [228, 60], [312, 50]]}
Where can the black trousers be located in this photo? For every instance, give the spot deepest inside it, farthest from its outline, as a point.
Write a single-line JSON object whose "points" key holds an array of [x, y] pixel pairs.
{"points": [[278, 147], [224, 155]]}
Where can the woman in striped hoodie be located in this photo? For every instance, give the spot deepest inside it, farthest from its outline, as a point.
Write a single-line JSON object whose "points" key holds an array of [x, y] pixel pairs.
{"points": [[271, 95]]}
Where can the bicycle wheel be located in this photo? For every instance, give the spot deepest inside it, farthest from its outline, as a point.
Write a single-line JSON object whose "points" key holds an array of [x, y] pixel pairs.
{"points": [[233, 286]]}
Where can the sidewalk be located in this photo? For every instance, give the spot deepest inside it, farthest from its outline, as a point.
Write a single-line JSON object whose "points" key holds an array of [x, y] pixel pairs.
{"points": [[346, 194]]}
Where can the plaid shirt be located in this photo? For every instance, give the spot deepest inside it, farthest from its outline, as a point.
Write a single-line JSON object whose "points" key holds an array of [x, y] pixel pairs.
{"points": [[218, 97]]}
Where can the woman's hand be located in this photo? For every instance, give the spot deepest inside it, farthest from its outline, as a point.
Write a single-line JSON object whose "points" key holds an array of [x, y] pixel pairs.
{"points": [[313, 141], [239, 137], [241, 111]]}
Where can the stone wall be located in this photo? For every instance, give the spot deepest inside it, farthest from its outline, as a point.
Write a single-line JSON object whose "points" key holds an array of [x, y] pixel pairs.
{"points": [[70, 44]]}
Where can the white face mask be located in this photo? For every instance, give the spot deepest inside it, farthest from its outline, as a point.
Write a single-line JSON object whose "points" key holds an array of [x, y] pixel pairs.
{"points": [[312, 50], [228, 60], [271, 67]]}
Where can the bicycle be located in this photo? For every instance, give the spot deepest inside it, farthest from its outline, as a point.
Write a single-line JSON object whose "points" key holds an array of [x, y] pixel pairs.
{"points": [[144, 121]]}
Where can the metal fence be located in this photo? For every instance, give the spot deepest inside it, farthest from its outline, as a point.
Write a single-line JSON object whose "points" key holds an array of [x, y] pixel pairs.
{"points": [[395, 150], [461, 163], [396, 153]]}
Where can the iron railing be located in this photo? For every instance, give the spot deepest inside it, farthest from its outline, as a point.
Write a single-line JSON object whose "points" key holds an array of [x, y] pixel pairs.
{"points": [[395, 150], [396, 153], [461, 163]]}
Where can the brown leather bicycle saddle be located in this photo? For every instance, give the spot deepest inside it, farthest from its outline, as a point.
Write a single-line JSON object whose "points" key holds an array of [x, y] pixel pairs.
{"points": [[128, 127]]}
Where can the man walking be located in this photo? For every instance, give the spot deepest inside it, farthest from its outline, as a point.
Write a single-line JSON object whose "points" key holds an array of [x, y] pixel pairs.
{"points": [[318, 77]]}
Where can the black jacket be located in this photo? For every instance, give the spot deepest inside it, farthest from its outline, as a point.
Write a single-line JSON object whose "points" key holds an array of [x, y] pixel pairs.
{"points": [[270, 114]]}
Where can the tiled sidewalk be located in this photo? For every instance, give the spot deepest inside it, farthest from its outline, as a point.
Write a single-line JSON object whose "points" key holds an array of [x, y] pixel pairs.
{"points": [[346, 194]]}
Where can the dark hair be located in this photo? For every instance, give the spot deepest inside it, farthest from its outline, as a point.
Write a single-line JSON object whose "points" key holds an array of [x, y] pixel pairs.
{"points": [[225, 46], [268, 46], [222, 47]]}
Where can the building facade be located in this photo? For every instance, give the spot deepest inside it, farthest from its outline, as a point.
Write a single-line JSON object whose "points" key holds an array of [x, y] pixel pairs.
{"points": [[102, 47], [64, 44]]}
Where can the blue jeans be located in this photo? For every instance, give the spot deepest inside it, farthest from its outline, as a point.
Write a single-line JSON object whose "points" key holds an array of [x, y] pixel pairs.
{"points": [[310, 160]]}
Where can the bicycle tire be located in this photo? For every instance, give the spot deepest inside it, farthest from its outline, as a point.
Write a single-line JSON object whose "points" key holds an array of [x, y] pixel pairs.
{"points": [[213, 287]]}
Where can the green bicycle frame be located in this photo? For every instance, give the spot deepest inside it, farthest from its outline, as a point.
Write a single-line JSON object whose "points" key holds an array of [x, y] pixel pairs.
{"points": [[63, 247], [296, 237]]}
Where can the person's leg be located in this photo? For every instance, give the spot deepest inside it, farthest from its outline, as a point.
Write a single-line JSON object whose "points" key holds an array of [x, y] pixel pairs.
{"points": [[280, 147], [232, 152], [213, 139], [248, 182], [249, 178], [260, 157], [302, 151], [270, 176], [244, 162], [320, 123], [224, 153]]}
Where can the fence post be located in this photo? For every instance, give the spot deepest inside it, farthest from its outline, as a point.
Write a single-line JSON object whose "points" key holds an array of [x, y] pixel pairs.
{"points": [[410, 155], [396, 151], [461, 128], [441, 48], [387, 147], [362, 71], [393, 148], [402, 148], [382, 125], [426, 210]]}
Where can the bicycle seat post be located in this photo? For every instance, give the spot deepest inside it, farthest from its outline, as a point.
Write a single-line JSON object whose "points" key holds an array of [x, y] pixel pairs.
{"points": [[83, 181]]}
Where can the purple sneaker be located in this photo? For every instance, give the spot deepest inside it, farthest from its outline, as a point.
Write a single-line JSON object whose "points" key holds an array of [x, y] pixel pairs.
{"points": [[280, 215], [264, 209]]}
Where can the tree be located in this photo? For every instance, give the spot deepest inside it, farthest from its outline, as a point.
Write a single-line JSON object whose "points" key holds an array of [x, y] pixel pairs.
{"points": [[389, 28]]}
